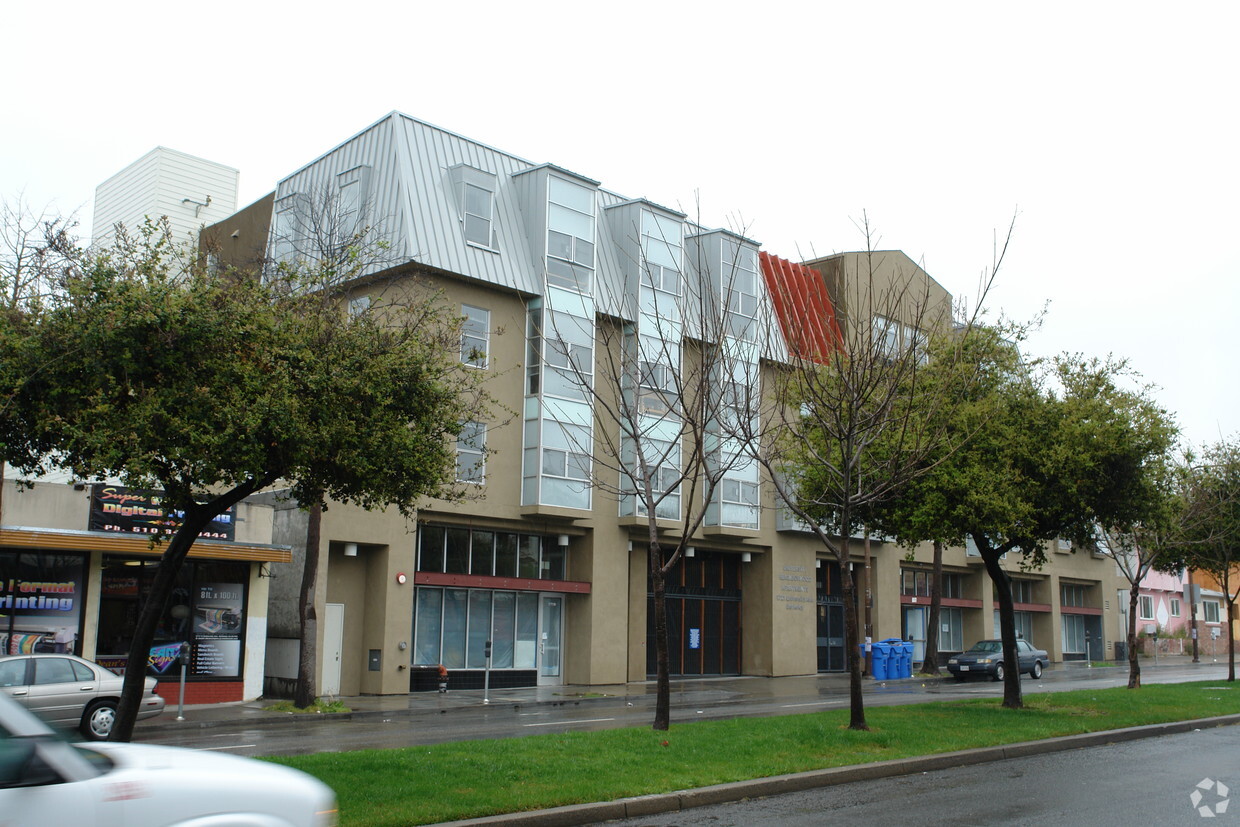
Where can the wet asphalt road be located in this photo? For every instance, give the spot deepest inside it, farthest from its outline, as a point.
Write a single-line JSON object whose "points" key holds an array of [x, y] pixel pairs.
{"points": [[461, 716], [1150, 781]]}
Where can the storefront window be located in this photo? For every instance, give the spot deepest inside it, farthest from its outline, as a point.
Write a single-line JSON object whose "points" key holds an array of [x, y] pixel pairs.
{"points": [[452, 626], [454, 550], [42, 596], [206, 610]]}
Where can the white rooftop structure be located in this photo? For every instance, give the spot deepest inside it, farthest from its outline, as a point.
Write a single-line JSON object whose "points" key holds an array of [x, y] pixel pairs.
{"points": [[190, 191]]}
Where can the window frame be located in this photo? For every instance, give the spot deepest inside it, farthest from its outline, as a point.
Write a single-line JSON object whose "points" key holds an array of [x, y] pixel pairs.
{"points": [[1145, 607], [488, 220], [1205, 615], [470, 334], [472, 441]]}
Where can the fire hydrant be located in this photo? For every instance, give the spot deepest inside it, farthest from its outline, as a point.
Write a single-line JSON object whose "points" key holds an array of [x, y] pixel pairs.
{"points": [[443, 678]]}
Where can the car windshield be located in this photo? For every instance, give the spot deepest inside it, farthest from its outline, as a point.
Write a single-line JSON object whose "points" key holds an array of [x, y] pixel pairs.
{"points": [[987, 646]]}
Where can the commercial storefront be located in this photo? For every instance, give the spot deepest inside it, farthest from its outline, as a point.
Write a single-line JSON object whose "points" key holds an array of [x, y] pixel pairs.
{"points": [[476, 587], [80, 590]]}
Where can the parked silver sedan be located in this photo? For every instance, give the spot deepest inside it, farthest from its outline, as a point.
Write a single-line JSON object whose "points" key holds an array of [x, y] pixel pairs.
{"points": [[67, 691]]}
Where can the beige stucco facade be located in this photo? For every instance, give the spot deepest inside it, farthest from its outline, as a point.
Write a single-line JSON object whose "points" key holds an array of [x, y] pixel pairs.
{"points": [[604, 633]]}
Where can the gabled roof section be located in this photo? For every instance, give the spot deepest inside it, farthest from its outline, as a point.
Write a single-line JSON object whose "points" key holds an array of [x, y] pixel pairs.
{"points": [[802, 306]]}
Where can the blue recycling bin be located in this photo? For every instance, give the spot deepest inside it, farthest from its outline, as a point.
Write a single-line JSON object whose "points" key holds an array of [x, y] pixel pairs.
{"points": [[881, 660], [906, 659], [899, 664]]}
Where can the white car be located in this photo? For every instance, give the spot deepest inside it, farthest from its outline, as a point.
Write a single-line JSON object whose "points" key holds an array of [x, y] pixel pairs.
{"points": [[68, 691], [45, 780]]}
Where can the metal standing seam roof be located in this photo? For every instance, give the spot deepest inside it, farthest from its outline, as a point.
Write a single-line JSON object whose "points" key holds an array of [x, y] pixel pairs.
{"points": [[802, 306]]}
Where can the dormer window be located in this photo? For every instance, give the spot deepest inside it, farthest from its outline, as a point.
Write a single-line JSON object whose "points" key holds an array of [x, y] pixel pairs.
{"points": [[478, 208], [570, 235], [475, 200]]}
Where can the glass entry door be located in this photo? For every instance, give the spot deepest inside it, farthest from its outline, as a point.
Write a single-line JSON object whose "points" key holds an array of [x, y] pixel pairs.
{"points": [[550, 636], [915, 630]]}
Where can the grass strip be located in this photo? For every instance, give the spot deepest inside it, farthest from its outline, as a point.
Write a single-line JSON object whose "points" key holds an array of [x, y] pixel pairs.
{"points": [[468, 779]]}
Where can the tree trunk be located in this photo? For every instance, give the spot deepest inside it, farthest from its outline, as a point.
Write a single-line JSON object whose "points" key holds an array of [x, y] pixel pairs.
{"points": [[148, 618], [197, 517], [930, 664], [1007, 624], [1231, 643], [306, 690], [1134, 665], [856, 705], [663, 686], [1192, 608]]}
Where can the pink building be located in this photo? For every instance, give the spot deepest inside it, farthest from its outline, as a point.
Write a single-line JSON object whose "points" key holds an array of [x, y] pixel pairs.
{"points": [[1161, 606]]}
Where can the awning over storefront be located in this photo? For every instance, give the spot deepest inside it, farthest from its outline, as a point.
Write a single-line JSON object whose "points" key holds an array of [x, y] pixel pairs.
{"points": [[66, 540]]}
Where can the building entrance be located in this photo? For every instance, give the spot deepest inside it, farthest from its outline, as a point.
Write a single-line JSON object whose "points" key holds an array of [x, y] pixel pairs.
{"points": [[703, 616], [831, 654]]}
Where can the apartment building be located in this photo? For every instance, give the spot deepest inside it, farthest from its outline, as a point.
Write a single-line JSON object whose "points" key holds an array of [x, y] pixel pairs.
{"points": [[547, 564]]}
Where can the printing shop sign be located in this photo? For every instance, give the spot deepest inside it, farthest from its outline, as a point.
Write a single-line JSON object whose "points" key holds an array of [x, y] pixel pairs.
{"points": [[218, 614], [132, 511]]}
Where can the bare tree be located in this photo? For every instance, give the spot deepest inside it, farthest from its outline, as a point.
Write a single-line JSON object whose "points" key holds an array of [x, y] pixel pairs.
{"points": [[657, 366], [846, 424], [29, 240]]}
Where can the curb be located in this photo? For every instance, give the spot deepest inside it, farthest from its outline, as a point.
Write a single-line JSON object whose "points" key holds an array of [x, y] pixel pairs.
{"points": [[648, 805], [266, 719]]}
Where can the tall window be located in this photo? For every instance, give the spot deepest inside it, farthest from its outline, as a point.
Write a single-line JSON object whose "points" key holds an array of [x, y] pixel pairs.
{"points": [[740, 286], [285, 232], [471, 446], [663, 465], [740, 503], [1147, 607], [1175, 607], [658, 379], [1074, 634], [568, 355], [570, 235], [951, 631], [479, 204], [475, 336]]}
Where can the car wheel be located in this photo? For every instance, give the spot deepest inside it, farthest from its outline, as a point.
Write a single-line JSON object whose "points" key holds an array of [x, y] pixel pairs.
{"points": [[999, 672], [1036, 671], [98, 720]]}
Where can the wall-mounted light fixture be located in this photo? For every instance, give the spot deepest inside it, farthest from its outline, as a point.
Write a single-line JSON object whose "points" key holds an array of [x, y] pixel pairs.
{"points": [[817, 564], [401, 579], [562, 541], [350, 549], [690, 551], [746, 557]]}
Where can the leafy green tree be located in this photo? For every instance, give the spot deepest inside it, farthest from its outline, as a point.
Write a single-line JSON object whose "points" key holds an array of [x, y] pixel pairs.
{"points": [[1042, 452], [1152, 543], [1211, 532], [151, 369]]}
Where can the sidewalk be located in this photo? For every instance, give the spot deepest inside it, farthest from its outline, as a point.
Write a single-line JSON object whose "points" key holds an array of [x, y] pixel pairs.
{"points": [[685, 692]]}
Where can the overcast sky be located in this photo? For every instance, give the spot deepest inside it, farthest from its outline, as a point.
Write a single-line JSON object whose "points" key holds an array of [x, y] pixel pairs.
{"points": [[1108, 129]]}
